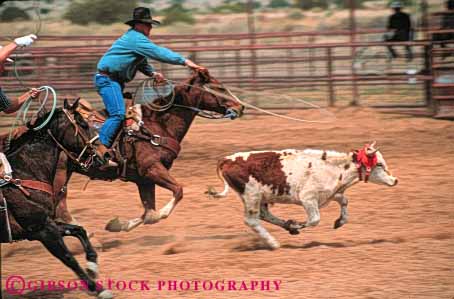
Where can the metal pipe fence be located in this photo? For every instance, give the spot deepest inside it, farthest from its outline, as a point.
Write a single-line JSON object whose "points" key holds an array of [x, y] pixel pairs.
{"points": [[301, 61]]}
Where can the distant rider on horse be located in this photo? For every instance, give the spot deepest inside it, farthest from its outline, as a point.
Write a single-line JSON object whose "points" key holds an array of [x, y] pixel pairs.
{"points": [[8, 105], [119, 65]]}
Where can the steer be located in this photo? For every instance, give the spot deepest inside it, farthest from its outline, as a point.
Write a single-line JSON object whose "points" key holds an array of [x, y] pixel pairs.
{"points": [[311, 178]]}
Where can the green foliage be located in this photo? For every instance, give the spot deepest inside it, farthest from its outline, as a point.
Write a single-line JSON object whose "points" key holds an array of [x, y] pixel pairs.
{"points": [[405, 3], [44, 11], [229, 7], [234, 6], [324, 4], [176, 13], [345, 4], [295, 15], [13, 14], [83, 12], [310, 4], [278, 3]]}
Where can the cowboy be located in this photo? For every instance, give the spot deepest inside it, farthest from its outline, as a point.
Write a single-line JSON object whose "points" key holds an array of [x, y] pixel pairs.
{"points": [[400, 24], [126, 56], [8, 105]]}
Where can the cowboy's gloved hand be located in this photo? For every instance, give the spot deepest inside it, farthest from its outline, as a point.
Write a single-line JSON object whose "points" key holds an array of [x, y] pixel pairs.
{"points": [[159, 78], [25, 41]]}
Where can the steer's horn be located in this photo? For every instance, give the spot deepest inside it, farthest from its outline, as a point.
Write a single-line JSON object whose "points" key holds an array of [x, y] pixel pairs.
{"points": [[370, 150]]}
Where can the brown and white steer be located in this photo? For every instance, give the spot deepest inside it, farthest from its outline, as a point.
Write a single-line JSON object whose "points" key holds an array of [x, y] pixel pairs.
{"points": [[311, 178]]}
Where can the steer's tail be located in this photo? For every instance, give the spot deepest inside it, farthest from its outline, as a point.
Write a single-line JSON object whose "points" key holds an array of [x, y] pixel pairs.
{"points": [[212, 193]]}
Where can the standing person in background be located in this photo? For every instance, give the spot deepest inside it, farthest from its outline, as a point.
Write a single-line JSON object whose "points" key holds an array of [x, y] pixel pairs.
{"points": [[119, 65], [447, 23], [8, 105], [399, 25]]}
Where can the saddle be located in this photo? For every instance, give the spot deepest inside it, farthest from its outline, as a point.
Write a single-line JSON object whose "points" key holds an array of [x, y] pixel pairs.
{"points": [[132, 127], [96, 120]]}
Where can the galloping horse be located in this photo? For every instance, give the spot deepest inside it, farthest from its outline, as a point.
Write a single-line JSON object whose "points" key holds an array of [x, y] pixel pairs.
{"points": [[29, 194], [151, 152]]}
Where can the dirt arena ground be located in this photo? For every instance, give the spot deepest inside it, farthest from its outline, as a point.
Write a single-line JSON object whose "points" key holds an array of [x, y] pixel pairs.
{"points": [[399, 242]]}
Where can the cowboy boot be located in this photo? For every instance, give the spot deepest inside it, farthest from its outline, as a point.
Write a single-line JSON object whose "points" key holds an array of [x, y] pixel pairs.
{"points": [[106, 156]]}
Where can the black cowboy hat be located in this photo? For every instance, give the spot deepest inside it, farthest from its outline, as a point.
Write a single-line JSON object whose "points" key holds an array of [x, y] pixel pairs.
{"points": [[142, 15]]}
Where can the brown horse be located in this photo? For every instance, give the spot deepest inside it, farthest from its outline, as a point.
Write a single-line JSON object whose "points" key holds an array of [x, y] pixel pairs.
{"points": [[30, 201], [151, 152]]}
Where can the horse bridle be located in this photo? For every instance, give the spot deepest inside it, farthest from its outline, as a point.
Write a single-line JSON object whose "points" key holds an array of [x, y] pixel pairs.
{"points": [[88, 144], [230, 113]]}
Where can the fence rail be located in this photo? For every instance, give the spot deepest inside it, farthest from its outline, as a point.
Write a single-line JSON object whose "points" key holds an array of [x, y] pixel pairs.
{"points": [[277, 60]]}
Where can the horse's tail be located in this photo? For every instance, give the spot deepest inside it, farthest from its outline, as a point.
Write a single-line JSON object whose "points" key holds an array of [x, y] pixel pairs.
{"points": [[211, 190]]}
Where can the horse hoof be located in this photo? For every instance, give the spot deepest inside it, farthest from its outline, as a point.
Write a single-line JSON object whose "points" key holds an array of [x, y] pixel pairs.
{"points": [[106, 294], [92, 270], [151, 218], [274, 245], [114, 225]]}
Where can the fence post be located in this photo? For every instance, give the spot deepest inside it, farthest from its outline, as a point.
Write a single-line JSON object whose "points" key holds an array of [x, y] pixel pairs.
{"points": [[290, 63], [252, 41], [354, 101], [428, 62], [238, 64], [332, 97], [311, 56]]}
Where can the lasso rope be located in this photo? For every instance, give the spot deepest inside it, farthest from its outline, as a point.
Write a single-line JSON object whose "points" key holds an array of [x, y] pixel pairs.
{"points": [[148, 84], [22, 113], [279, 115], [36, 7], [231, 96]]}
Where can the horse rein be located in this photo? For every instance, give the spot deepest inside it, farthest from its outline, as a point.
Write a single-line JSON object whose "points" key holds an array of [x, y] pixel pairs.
{"points": [[88, 144], [200, 112]]}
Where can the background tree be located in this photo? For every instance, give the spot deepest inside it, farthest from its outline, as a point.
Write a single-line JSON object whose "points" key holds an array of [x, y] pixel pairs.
{"points": [[309, 4], [234, 6], [100, 11], [13, 13], [278, 3], [176, 13]]}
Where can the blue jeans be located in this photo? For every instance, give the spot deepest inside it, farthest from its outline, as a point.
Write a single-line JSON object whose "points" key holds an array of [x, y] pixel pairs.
{"points": [[112, 96]]}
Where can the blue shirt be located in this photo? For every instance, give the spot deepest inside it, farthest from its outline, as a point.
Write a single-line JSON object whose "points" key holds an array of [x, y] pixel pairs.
{"points": [[129, 53]]}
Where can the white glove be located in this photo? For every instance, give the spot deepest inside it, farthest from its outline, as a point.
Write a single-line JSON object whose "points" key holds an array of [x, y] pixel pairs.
{"points": [[25, 41]]}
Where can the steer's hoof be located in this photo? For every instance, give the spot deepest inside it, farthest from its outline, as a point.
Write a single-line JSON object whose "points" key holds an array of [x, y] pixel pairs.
{"points": [[293, 231], [293, 226], [114, 225], [338, 223]]}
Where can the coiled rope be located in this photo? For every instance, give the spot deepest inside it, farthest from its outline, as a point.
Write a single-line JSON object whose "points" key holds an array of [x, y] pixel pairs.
{"points": [[21, 116]]}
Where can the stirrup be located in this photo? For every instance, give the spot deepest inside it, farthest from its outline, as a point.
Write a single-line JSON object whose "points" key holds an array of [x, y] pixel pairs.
{"points": [[105, 162]]}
